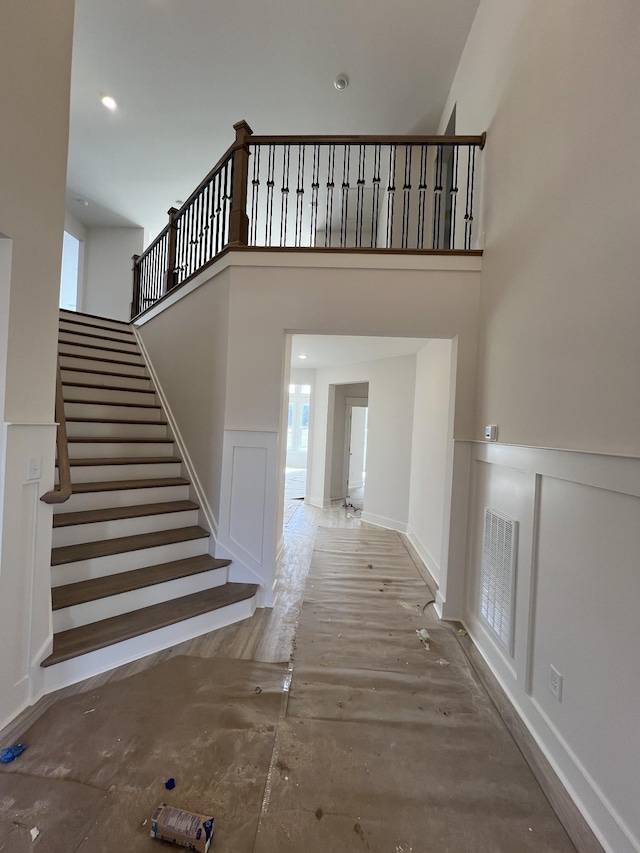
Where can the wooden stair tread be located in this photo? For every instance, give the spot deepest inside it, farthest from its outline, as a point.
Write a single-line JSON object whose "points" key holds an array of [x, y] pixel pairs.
{"points": [[116, 485], [101, 372], [95, 461], [104, 388], [78, 593], [71, 317], [117, 513], [98, 635], [113, 403], [75, 419], [133, 347], [117, 439], [123, 544], [99, 337], [96, 358]]}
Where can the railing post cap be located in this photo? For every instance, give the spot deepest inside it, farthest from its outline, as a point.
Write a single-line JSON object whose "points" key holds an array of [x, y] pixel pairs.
{"points": [[483, 140], [172, 212], [242, 128]]}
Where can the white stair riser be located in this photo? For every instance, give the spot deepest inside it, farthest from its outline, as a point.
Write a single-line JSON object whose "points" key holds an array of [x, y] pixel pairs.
{"points": [[91, 351], [148, 430], [91, 450], [99, 531], [115, 605], [77, 669], [126, 342], [71, 361], [100, 473], [109, 395], [99, 567], [108, 410], [93, 322], [133, 382], [123, 497]]}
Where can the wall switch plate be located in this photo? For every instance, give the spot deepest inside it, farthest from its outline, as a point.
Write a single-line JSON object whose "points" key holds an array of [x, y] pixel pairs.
{"points": [[491, 432], [555, 683], [34, 469]]}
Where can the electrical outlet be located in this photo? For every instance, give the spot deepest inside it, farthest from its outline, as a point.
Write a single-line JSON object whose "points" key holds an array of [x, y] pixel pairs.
{"points": [[34, 470], [555, 683]]}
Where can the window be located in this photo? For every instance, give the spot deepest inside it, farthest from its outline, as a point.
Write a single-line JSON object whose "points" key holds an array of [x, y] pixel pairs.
{"points": [[298, 419]]}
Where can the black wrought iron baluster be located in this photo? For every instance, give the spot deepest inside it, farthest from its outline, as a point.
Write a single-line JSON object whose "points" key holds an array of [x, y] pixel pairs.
{"points": [[406, 195], [300, 195], [453, 194], [362, 159], [375, 198], [391, 195], [468, 217], [255, 196], [198, 234], [284, 196], [226, 185], [270, 185], [344, 207], [330, 187], [422, 195], [220, 211], [315, 186], [437, 199]]}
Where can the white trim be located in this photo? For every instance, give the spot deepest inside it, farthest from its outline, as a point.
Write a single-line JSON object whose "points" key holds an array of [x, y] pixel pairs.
{"points": [[382, 521], [425, 555]]}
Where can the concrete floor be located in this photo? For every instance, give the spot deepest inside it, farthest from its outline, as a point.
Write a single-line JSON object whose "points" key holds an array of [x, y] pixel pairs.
{"points": [[378, 745]]}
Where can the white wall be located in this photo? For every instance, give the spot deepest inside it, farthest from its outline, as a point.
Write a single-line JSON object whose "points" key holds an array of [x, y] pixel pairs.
{"points": [[108, 280], [337, 435], [35, 65], [432, 444], [554, 85]]}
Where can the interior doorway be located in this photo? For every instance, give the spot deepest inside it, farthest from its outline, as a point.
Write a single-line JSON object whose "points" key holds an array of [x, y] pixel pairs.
{"points": [[355, 462], [69, 275]]}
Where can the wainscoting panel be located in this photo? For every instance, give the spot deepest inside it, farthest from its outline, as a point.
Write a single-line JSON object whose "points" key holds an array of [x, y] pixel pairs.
{"points": [[248, 507], [576, 601]]}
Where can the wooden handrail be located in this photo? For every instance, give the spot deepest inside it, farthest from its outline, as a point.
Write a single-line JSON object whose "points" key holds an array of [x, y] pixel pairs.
{"points": [[370, 140], [62, 492]]}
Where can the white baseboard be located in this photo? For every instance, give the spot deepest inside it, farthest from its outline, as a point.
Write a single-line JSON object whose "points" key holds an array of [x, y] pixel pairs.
{"points": [[381, 521], [432, 565]]}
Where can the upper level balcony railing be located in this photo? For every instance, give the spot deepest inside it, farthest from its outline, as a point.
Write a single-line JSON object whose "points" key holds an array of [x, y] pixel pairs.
{"points": [[318, 193]]}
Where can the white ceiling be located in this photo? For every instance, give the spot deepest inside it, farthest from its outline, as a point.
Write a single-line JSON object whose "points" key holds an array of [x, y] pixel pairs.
{"points": [[335, 350], [183, 71]]}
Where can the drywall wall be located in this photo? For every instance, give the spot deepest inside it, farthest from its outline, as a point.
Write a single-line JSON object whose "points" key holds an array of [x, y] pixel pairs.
{"points": [[432, 444], [187, 347], [108, 279], [390, 384], [35, 66], [554, 85]]}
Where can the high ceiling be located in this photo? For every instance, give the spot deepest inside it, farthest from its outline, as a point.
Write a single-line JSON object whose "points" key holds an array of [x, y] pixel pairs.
{"points": [[335, 350], [183, 71]]}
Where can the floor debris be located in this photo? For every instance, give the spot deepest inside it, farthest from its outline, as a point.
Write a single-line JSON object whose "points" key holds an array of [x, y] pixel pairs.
{"points": [[35, 832], [424, 638], [170, 784], [12, 752], [443, 662], [462, 632]]}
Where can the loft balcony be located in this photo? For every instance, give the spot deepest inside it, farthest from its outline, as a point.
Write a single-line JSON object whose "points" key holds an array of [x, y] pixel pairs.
{"points": [[404, 194]]}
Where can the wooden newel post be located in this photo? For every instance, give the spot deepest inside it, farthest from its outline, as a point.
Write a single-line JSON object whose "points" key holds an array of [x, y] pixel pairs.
{"points": [[172, 240], [135, 295], [238, 220]]}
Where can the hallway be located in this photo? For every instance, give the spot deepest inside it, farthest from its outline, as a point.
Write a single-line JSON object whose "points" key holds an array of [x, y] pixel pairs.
{"points": [[370, 741]]}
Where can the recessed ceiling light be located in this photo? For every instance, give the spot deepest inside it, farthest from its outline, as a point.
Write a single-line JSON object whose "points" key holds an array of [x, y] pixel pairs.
{"points": [[341, 82], [302, 356], [178, 202], [109, 102], [83, 202]]}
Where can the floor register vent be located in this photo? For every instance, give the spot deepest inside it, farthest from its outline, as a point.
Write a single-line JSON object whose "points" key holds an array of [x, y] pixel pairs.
{"points": [[497, 598]]}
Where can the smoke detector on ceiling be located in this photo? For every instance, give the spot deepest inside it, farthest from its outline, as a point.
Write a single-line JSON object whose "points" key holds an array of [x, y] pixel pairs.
{"points": [[341, 82]]}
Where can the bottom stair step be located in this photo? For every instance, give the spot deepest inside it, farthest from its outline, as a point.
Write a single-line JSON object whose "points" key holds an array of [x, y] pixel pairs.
{"points": [[98, 635]]}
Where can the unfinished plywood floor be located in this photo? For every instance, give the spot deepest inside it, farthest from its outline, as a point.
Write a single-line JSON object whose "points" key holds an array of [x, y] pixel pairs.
{"points": [[380, 746]]}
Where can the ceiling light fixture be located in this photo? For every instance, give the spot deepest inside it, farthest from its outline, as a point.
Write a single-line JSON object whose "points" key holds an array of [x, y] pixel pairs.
{"points": [[341, 82], [83, 202], [302, 356], [109, 102]]}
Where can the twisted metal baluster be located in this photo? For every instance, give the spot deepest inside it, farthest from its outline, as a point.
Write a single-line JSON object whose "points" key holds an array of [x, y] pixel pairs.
{"points": [[330, 186], [362, 155], [437, 199], [391, 195], [454, 196], [315, 186], [270, 185], [344, 206], [255, 196], [375, 198], [471, 172], [300, 195], [422, 195], [406, 195], [284, 203]]}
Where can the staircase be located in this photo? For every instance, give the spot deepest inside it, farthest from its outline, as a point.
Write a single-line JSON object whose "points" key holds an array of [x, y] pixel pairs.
{"points": [[130, 568]]}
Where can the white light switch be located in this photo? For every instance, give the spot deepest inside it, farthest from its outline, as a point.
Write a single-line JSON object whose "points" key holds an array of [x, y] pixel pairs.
{"points": [[491, 432], [34, 471]]}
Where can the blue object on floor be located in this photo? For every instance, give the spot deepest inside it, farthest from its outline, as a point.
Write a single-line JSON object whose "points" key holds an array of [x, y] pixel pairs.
{"points": [[170, 784], [12, 752]]}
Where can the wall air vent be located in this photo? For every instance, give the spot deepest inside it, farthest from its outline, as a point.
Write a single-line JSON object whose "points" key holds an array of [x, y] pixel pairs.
{"points": [[497, 599]]}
